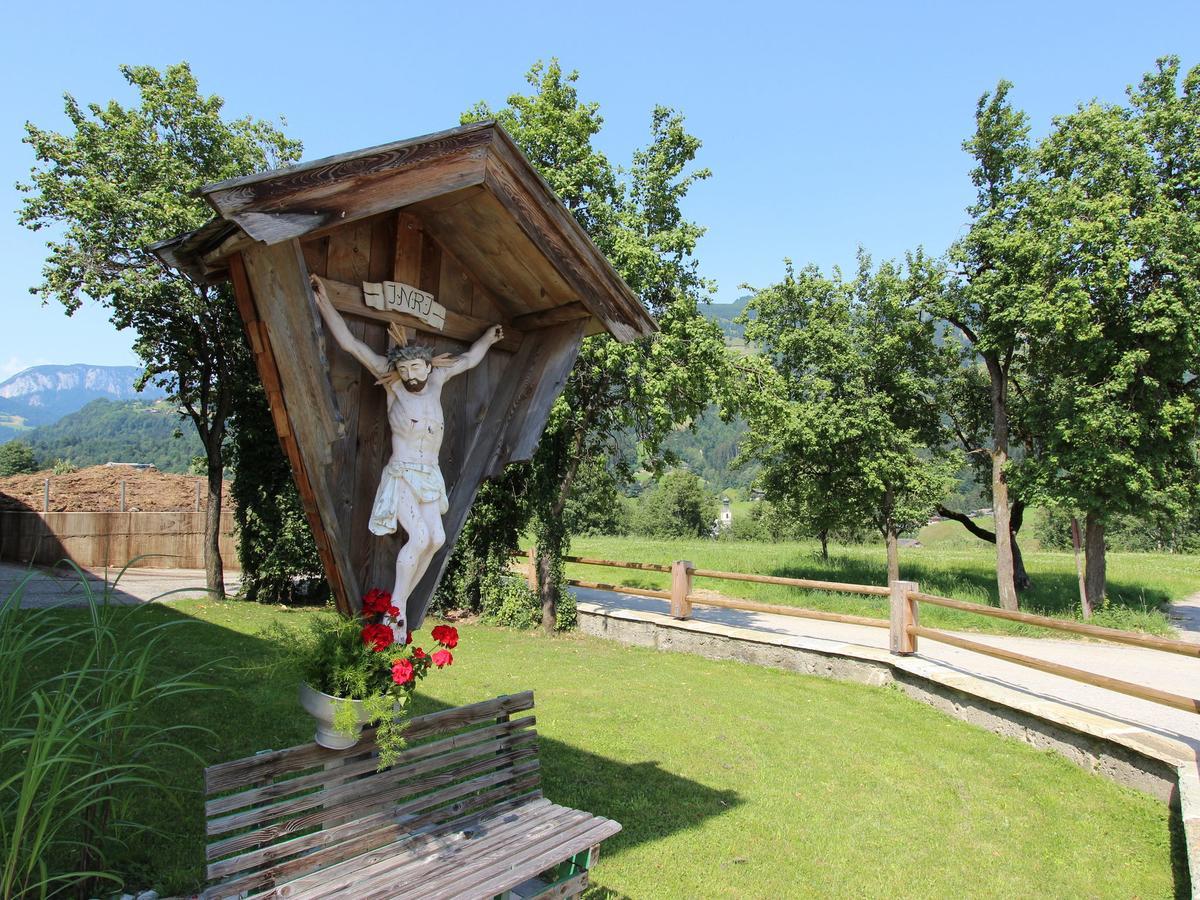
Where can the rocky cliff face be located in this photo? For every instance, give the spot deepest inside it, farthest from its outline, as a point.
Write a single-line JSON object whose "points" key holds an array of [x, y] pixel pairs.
{"points": [[44, 394]]}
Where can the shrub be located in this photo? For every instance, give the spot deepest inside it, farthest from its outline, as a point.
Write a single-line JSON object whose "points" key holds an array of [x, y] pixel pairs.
{"points": [[678, 506], [64, 467], [16, 458]]}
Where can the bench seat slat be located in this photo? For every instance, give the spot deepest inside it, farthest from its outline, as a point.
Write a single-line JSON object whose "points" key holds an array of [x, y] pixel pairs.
{"points": [[513, 765], [454, 856], [375, 836], [262, 767], [518, 867]]}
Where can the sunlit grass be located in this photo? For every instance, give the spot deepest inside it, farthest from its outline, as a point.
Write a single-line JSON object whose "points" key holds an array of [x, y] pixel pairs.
{"points": [[1139, 583], [729, 780]]}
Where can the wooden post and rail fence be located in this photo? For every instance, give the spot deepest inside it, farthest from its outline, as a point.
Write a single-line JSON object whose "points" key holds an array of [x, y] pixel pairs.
{"points": [[903, 624]]}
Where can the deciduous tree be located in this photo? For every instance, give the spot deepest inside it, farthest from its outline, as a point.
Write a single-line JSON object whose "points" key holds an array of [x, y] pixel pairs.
{"points": [[122, 178], [634, 217], [851, 425], [992, 286], [1112, 388]]}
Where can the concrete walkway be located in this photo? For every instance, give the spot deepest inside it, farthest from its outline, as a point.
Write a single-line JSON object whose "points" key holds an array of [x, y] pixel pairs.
{"points": [[952, 666], [1185, 616], [62, 586]]}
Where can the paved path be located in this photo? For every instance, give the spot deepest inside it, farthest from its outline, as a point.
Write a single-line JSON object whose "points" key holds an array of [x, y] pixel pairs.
{"points": [[1167, 671], [1185, 616], [62, 586]]}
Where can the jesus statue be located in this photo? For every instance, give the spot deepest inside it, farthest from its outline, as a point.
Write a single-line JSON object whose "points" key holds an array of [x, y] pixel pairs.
{"points": [[412, 493]]}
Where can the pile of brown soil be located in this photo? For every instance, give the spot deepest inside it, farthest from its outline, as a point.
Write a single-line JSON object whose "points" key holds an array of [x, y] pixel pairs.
{"points": [[98, 489]]}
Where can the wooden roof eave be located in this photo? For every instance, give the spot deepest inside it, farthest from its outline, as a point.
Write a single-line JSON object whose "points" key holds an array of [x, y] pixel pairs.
{"points": [[193, 253], [626, 319], [271, 207]]}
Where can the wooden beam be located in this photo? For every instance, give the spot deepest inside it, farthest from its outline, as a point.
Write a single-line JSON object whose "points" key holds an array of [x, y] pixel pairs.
{"points": [[217, 257], [348, 298], [278, 278], [560, 347], [1189, 704], [563, 241], [546, 317], [343, 189], [264, 359]]}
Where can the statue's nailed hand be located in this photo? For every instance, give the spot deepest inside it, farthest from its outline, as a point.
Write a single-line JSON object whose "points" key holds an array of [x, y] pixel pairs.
{"points": [[496, 334], [318, 288]]}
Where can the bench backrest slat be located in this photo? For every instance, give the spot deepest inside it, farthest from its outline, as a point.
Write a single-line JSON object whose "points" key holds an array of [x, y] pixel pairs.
{"points": [[280, 815], [264, 767]]}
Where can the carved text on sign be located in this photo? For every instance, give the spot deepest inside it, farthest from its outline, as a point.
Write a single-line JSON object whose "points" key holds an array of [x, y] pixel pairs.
{"points": [[399, 297]]}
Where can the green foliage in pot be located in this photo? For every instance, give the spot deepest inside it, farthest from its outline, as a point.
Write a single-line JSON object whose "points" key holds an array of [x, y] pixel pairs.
{"points": [[361, 659]]}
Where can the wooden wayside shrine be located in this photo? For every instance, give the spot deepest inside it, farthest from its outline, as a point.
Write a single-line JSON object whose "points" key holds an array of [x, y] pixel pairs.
{"points": [[460, 215]]}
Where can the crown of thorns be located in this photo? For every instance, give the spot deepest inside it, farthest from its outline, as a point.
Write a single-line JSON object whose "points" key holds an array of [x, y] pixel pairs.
{"points": [[410, 352]]}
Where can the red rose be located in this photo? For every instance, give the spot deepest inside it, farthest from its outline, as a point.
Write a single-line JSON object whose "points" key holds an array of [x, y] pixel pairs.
{"points": [[394, 612], [376, 602], [446, 635], [442, 658], [408, 639], [402, 671], [418, 653], [377, 636]]}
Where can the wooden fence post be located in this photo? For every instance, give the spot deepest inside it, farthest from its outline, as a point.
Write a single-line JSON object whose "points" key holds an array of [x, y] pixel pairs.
{"points": [[681, 587], [122, 496], [46, 496], [904, 614], [531, 573]]}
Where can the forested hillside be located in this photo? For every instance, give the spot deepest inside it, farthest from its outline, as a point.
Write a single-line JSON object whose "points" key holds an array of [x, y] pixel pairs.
{"points": [[126, 431]]}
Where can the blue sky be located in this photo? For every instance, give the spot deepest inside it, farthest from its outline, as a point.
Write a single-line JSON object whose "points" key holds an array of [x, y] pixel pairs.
{"points": [[826, 125]]}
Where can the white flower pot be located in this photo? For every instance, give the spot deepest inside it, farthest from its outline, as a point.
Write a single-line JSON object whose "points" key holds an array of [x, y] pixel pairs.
{"points": [[321, 706]]}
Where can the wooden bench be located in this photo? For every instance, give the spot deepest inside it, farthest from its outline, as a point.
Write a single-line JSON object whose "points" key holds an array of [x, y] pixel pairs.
{"points": [[459, 815]]}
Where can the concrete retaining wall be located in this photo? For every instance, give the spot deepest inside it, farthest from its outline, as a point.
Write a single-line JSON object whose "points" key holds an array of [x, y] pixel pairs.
{"points": [[165, 539]]}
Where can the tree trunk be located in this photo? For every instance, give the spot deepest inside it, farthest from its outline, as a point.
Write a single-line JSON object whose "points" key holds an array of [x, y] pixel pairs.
{"points": [[1021, 579], [1095, 575], [548, 587], [214, 570], [825, 545], [1004, 543], [893, 554], [551, 534]]}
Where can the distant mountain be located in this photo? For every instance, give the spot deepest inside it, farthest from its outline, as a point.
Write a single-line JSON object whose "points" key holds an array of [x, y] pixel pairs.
{"points": [[44, 394], [125, 431], [724, 314]]}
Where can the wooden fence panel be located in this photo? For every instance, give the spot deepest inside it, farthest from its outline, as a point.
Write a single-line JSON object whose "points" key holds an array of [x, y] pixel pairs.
{"points": [[167, 540]]}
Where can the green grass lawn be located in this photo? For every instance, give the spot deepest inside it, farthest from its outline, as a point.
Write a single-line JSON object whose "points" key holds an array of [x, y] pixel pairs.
{"points": [[1138, 582], [730, 780]]}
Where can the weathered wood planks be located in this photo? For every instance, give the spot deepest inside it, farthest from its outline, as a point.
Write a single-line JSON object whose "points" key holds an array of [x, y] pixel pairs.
{"points": [[461, 215], [460, 814]]}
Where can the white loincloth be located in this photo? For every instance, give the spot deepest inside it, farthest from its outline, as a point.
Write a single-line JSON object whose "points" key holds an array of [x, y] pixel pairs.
{"points": [[424, 480]]}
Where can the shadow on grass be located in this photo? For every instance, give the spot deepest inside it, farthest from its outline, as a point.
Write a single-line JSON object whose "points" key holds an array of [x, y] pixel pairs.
{"points": [[649, 802], [254, 707]]}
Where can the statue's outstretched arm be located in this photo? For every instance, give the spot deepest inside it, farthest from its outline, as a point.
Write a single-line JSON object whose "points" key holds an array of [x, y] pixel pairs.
{"points": [[378, 365], [473, 357]]}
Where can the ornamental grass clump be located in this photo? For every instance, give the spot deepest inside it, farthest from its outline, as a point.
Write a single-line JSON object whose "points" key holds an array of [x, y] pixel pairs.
{"points": [[364, 658], [79, 744]]}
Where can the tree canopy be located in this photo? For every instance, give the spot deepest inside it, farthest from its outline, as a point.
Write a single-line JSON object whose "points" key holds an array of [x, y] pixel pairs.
{"points": [[123, 178], [846, 414], [634, 217]]}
